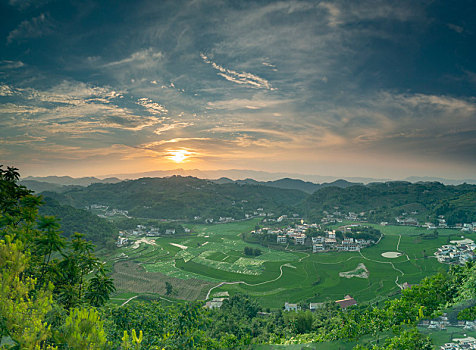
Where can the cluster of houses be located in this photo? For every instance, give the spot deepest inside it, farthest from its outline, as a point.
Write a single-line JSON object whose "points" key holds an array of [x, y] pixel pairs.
{"points": [[330, 242], [141, 230], [107, 212], [337, 216], [442, 322], [321, 243], [459, 253], [406, 220], [468, 343], [271, 217], [296, 233], [345, 303]]}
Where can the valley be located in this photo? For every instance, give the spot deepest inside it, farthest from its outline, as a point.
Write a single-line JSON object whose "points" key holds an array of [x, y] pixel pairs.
{"points": [[212, 255]]}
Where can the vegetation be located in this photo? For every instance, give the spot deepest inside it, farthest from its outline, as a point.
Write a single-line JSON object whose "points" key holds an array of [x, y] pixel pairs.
{"points": [[385, 201], [98, 230], [252, 251], [179, 197], [45, 279], [54, 291]]}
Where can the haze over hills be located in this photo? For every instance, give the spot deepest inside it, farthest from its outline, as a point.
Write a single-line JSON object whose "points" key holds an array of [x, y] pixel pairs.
{"points": [[68, 180], [239, 175], [291, 184]]}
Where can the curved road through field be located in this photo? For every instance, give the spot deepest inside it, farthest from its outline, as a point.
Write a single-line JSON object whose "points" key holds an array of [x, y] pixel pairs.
{"points": [[307, 255], [250, 284]]}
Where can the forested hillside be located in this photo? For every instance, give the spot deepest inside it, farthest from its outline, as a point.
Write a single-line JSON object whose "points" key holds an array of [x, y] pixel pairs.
{"points": [[100, 231], [290, 184], [179, 197], [385, 201]]}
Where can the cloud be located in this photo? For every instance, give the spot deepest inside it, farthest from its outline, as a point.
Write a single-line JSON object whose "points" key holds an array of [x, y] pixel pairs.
{"points": [[5, 64], [73, 108], [152, 107], [24, 4], [239, 78], [23, 139], [334, 13], [6, 90], [141, 59], [456, 28], [253, 104], [34, 28], [167, 127]]}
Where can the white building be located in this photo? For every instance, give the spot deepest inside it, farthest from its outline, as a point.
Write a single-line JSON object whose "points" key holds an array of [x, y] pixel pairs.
{"points": [[291, 307], [300, 239]]}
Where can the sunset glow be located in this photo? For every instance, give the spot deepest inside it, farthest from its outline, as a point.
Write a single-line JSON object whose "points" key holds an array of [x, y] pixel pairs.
{"points": [[362, 91], [178, 156]]}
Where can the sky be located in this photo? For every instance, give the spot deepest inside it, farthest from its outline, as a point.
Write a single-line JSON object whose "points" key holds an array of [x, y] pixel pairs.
{"points": [[381, 89]]}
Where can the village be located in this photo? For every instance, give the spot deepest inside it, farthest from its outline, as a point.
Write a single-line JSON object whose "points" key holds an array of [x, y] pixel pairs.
{"points": [[442, 323], [344, 303], [149, 231], [320, 241], [404, 219], [460, 252]]}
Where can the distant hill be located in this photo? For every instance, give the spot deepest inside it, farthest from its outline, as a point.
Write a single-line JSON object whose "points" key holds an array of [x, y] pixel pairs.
{"points": [[184, 198], [440, 179], [290, 184], [236, 174], [384, 201], [67, 180], [180, 197], [39, 186]]}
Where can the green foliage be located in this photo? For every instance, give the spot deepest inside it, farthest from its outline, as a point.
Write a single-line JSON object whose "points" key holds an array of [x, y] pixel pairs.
{"points": [[179, 326], [364, 232], [98, 230], [468, 314], [409, 339], [179, 197], [35, 260], [99, 288], [248, 251], [168, 288], [22, 312], [385, 201], [82, 330], [134, 343]]}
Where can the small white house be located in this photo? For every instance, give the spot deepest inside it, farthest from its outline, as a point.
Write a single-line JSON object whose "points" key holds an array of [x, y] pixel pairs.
{"points": [[291, 307]]}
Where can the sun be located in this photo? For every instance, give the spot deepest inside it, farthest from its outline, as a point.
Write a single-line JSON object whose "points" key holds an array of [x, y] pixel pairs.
{"points": [[178, 156]]}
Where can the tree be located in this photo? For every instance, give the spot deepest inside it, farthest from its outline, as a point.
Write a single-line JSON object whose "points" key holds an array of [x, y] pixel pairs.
{"points": [[22, 312], [83, 330], [168, 288], [99, 288], [77, 262], [48, 242]]}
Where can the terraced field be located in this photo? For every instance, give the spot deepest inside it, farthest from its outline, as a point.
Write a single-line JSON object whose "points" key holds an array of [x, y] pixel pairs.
{"points": [[211, 260]]}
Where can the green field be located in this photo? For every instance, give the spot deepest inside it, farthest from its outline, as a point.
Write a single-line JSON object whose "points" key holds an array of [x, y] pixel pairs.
{"points": [[213, 254]]}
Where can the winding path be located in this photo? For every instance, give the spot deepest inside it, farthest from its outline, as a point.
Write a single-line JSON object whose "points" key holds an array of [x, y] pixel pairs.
{"points": [[389, 262], [124, 303], [399, 238], [249, 284]]}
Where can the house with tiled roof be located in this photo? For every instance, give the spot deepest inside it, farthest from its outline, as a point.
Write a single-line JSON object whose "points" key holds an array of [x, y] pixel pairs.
{"points": [[346, 302]]}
